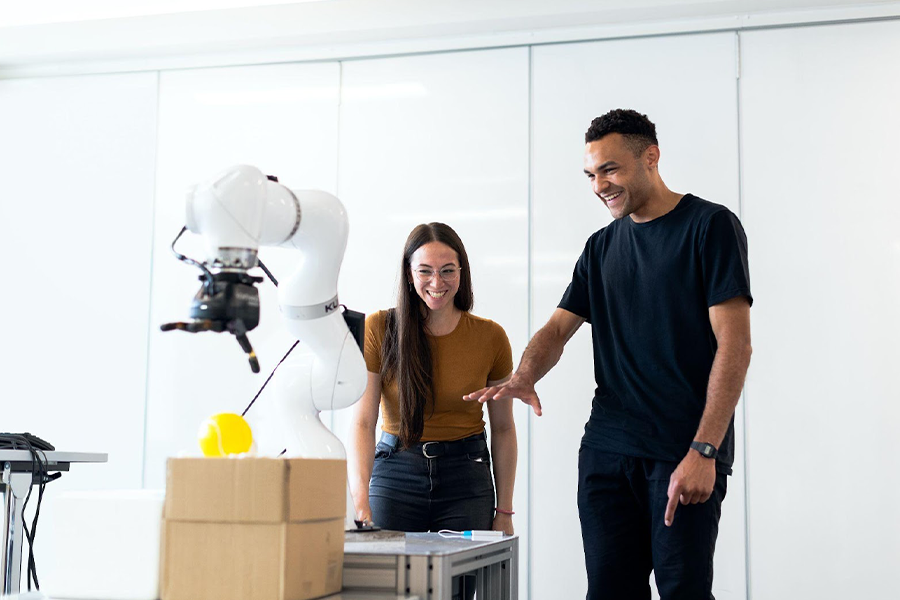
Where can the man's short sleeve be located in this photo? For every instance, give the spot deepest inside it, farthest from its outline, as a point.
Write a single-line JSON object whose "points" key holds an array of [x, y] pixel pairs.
{"points": [[374, 337], [576, 299], [723, 255], [503, 362]]}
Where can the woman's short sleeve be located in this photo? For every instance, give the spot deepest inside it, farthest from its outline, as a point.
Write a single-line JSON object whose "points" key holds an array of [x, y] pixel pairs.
{"points": [[374, 337], [503, 363]]}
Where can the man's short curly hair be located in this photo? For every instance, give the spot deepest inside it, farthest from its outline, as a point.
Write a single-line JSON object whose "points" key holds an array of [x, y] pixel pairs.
{"points": [[637, 129]]}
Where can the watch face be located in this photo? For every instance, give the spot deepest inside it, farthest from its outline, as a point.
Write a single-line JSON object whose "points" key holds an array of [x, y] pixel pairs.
{"points": [[707, 450]]}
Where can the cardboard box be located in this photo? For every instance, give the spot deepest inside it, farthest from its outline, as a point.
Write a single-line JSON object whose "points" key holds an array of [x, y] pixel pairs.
{"points": [[253, 529]]}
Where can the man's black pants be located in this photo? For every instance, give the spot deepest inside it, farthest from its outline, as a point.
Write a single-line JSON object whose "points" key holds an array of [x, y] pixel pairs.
{"points": [[622, 503]]}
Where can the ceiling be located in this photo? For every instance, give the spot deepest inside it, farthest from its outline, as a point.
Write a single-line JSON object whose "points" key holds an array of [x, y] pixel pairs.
{"points": [[38, 12], [53, 32]]}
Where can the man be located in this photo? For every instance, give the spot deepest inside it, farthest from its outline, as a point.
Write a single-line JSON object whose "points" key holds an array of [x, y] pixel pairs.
{"points": [[666, 290]]}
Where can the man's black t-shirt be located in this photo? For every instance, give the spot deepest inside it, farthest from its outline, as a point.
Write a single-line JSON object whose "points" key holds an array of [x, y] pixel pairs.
{"points": [[645, 288]]}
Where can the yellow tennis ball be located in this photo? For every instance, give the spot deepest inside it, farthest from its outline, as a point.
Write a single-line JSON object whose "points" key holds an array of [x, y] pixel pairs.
{"points": [[224, 434]]}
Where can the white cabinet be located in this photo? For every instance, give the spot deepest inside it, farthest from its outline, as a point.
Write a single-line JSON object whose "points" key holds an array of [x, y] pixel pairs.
{"points": [[687, 86], [440, 138], [76, 219], [820, 124], [282, 119]]}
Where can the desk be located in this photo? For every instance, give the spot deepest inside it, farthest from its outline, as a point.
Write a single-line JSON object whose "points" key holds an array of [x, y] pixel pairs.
{"points": [[425, 564], [368, 596], [16, 478]]}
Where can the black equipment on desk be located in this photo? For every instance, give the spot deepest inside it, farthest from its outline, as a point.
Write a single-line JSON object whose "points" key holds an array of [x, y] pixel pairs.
{"points": [[15, 441]]}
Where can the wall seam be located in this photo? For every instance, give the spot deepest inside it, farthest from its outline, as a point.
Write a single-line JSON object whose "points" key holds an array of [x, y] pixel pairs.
{"points": [[150, 290], [337, 165], [530, 328], [740, 157]]}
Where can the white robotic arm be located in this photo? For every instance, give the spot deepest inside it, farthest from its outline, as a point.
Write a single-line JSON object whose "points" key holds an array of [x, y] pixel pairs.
{"points": [[236, 213]]}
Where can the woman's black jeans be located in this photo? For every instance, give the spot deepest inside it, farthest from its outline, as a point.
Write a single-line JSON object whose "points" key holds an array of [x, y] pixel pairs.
{"points": [[432, 485]]}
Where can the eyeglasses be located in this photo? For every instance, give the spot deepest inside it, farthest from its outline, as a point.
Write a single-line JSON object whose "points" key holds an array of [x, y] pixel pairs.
{"points": [[447, 274]]}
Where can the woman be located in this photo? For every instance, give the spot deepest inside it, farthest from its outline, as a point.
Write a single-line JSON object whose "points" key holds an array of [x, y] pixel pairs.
{"points": [[431, 466]]}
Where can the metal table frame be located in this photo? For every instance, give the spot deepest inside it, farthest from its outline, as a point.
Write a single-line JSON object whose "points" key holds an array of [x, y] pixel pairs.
{"points": [[425, 564], [16, 478]]}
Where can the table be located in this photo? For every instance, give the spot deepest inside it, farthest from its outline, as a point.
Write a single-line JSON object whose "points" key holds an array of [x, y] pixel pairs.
{"points": [[16, 478], [425, 564], [368, 596], [340, 596]]}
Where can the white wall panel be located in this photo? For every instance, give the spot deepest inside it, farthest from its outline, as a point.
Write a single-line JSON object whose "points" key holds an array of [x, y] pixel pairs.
{"points": [[282, 119], [76, 202], [440, 138], [820, 127], [687, 86]]}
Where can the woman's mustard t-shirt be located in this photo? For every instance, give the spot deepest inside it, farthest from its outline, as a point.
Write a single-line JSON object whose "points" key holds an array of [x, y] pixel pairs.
{"points": [[476, 352]]}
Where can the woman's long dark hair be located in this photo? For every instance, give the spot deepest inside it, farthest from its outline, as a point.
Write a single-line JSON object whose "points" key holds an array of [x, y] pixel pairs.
{"points": [[406, 354]]}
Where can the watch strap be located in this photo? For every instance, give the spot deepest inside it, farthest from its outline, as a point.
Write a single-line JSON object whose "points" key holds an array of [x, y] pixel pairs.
{"points": [[707, 450]]}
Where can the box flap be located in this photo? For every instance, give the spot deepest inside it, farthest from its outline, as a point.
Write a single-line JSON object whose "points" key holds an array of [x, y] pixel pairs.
{"points": [[317, 488], [250, 490]]}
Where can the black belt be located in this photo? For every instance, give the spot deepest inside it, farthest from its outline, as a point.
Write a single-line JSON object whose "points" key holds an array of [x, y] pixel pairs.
{"points": [[469, 445]]}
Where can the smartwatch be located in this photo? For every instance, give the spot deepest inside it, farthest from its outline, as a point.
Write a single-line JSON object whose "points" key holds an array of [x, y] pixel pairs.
{"points": [[706, 450]]}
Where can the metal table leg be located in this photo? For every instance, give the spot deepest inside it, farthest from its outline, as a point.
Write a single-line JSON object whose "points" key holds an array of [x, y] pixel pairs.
{"points": [[13, 488]]}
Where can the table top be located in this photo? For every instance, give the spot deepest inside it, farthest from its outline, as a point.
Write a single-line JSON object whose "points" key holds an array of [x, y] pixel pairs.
{"points": [[360, 595], [54, 456], [413, 544], [354, 595]]}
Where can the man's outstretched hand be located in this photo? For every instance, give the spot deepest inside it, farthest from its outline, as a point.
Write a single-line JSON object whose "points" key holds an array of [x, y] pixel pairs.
{"points": [[516, 387]]}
